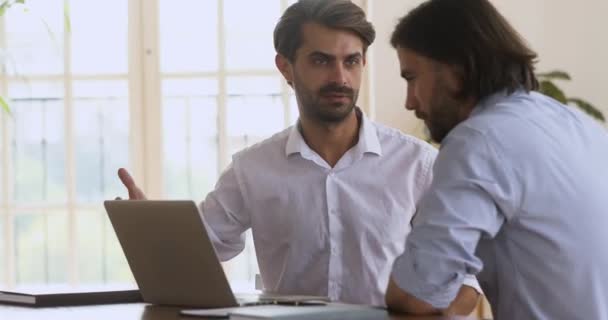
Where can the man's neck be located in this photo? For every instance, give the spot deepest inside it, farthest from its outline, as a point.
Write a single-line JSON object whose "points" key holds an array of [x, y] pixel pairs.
{"points": [[331, 140]]}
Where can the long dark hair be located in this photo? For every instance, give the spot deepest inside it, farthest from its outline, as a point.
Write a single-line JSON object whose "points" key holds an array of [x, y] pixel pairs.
{"points": [[473, 36]]}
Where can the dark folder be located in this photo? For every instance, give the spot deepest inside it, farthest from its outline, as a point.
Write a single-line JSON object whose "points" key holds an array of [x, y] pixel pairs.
{"points": [[69, 296]]}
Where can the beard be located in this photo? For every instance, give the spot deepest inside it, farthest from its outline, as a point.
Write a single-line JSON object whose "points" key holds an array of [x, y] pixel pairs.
{"points": [[320, 107], [444, 113]]}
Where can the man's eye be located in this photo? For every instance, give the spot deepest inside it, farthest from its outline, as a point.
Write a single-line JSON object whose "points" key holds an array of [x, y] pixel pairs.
{"points": [[320, 61], [352, 62]]}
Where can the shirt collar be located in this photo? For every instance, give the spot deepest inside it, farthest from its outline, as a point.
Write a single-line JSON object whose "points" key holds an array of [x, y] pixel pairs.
{"points": [[368, 138]]}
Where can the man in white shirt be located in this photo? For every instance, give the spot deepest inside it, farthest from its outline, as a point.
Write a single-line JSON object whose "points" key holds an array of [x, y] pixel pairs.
{"points": [[329, 201]]}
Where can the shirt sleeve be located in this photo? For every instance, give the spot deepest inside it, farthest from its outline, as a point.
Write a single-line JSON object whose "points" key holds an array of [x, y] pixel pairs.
{"points": [[225, 216], [470, 191], [470, 280]]}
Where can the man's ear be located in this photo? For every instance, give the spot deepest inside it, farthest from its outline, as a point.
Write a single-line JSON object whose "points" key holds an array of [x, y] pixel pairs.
{"points": [[284, 67]]}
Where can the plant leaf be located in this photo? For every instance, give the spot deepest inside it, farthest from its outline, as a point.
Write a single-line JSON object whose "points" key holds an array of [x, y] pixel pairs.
{"points": [[548, 88], [588, 108], [556, 74], [5, 5], [5, 106], [66, 17]]}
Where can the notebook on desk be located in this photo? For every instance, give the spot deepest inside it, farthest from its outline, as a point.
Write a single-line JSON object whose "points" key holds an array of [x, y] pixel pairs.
{"points": [[58, 295], [173, 260]]}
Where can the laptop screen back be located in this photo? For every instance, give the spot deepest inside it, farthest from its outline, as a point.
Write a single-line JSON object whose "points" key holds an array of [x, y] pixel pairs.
{"points": [[169, 253]]}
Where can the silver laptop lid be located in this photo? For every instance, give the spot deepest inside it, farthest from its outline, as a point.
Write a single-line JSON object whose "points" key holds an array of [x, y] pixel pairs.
{"points": [[170, 254]]}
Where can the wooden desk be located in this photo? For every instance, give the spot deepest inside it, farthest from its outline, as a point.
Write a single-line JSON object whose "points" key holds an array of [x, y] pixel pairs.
{"points": [[131, 311]]}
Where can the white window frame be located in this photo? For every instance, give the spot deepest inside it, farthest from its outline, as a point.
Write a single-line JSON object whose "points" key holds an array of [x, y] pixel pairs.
{"points": [[145, 140]]}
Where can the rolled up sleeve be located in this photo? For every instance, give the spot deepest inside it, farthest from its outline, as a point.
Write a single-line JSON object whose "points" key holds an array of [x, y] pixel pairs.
{"points": [[465, 202]]}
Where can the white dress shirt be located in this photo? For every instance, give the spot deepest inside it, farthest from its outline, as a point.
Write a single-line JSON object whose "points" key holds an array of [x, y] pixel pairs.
{"points": [[320, 230], [520, 195]]}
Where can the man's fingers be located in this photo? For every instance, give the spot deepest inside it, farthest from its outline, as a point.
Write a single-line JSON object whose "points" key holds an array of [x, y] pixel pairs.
{"points": [[134, 192], [126, 178]]}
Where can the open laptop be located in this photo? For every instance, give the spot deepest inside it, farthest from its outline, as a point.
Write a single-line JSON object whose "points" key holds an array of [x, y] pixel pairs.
{"points": [[173, 260]]}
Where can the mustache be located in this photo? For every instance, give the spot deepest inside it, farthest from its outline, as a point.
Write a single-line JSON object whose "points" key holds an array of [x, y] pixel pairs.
{"points": [[334, 88]]}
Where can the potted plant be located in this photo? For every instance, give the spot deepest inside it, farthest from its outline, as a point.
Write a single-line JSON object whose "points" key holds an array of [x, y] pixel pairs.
{"points": [[548, 87]]}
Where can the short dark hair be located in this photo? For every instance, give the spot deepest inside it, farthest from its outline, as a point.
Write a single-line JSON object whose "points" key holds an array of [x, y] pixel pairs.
{"points": [[472, 35], [335, 14]]}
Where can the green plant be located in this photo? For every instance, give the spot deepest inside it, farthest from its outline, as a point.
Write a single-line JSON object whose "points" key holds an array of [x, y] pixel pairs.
{"points": [[549, 88], [5, 5]]}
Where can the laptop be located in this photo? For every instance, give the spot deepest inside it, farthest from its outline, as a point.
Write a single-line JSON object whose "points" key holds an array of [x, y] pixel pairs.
{"points": [[173, 260]]}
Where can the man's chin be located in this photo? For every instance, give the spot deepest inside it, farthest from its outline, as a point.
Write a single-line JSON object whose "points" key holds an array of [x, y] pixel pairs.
{"points": [[335, 113], [437, 135]]}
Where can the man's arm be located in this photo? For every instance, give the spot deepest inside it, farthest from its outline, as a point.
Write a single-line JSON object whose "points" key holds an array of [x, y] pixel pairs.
{"points": [[403, 302], [472, 194], [224, 212], [225, 215]]}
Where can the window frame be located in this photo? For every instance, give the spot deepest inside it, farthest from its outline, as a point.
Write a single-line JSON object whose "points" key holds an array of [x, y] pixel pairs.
{"points": [[145, 107]]}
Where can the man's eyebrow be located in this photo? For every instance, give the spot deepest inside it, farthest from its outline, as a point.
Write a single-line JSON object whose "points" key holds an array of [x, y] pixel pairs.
{"points": [[322, 55], [354, 55]]}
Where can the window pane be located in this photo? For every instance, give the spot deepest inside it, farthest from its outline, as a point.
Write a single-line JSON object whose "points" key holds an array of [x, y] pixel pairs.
{"points": [[254, 110], [40, 247], [34, 38], [99, 36], [188, 35], [100, 257], [38, 142], [101, 119], [2, 123], [29, 248], [57, 226], [190, 137], [3, 249], [249, 36], [116, 266], [90, 246], [241, 270]]}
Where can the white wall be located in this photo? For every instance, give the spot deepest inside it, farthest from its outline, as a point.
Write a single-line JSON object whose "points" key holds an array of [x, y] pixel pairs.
{"points": [[568, 35]]}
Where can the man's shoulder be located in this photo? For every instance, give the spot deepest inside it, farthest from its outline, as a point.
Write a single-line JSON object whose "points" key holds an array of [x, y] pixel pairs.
{"points": [[392, 138], [272, 146]]}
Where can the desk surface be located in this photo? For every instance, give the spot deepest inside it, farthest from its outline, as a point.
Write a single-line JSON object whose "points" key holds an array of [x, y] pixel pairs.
{"points": [[129, 311]]}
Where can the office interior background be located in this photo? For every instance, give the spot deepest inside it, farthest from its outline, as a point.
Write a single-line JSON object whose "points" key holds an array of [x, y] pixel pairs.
{"points": [[170, 89]]}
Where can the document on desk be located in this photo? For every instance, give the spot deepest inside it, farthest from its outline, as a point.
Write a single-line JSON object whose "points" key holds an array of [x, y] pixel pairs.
{"points": [[63, 295], [283, 312]]}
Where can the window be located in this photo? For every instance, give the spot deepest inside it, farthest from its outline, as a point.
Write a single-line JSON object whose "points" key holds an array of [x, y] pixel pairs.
{"points": [[169, 89]]}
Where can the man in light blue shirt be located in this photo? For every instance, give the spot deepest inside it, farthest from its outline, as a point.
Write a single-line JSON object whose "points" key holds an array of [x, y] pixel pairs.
{"points": [[520, 187]]}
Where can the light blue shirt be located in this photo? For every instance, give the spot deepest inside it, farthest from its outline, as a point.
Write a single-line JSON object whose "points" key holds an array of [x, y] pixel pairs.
{"points": [[520, 195]]}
